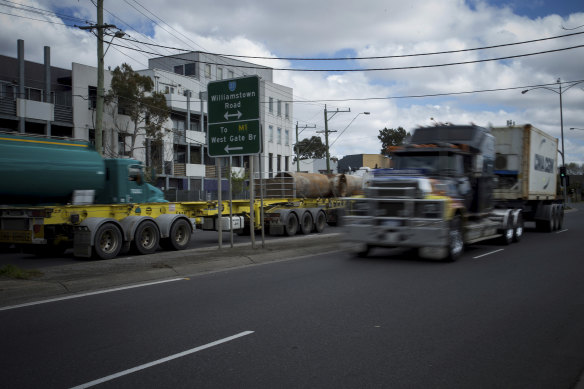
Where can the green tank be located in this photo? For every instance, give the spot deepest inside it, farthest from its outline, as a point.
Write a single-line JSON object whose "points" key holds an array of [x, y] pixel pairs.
{"points": [[39, 170]]}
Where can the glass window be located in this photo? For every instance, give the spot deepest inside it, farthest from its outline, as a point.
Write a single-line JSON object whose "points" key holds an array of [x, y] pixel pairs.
{"points": [[92, 96], [271, 105], [279, 136], [178, 69], [287, 137], [230, 74], [219, 73], [271, 133], [279, 107], [190, 69], [287, 108], [208, 70]]}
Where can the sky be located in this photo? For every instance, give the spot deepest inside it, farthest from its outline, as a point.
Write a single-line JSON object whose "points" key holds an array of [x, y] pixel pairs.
{"points": [[406, 90]]}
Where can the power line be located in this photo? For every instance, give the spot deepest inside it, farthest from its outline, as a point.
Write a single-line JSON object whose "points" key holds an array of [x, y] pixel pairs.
{"points": [[381, 69], [372, 57]]}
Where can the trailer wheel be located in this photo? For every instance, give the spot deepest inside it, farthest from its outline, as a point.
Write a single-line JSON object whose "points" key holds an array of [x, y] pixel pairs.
{"points": [[320, 223], [291, 225], [306, 225], [456, 243], [180, 236], [146, 238], [108, 241], [518, 228], [361, 250]]}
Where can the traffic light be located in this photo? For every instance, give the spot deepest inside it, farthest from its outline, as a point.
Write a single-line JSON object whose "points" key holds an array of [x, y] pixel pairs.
{"points": [[563, 176]]}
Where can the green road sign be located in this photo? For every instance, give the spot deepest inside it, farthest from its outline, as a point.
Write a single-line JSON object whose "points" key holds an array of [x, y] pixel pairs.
{"points": [[234, 117]]}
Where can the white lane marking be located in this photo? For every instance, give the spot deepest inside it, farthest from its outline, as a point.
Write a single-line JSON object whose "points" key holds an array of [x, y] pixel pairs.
{"points": [[492, 252], [559, 232], [163, 360], [87, 294]]}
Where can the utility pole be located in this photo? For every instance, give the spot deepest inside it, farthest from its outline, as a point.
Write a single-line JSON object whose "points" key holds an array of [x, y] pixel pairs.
{"points": [[326, 132], [100, 27], [297, 154]]}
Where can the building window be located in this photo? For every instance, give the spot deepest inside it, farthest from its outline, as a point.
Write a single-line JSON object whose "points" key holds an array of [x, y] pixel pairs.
{"points": [[190, 69], [33, 94], [271, 164], [219, 73], [287, 137], [168, 90], [92, 96], [279, 162], [279, 107], [271, 105], [271, 134], [7, 91], [279, 136], [287, 110], [230, 73], [286, 164], [178, 69], [208, 70]]}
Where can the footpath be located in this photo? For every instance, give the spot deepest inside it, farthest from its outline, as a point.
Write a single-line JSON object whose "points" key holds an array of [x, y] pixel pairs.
{"points": [[83, 277]]}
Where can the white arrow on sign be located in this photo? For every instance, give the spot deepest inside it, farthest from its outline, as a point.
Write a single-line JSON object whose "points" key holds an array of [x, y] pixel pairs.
{"points": [[227, 148], [228, 115]]}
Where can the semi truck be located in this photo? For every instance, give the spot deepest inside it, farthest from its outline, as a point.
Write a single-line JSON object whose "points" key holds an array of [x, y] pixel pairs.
{"points": [[59, 193], [454, 185]]}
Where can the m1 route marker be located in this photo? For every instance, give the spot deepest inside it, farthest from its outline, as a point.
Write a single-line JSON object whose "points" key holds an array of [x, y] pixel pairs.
{"points": [[234, 117]]}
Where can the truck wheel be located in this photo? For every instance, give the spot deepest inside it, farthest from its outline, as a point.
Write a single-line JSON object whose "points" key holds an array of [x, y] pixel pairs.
{"points": [[518, 228], [560, 217], [291, 225], [456, 243], [146, 238], [180, 236], [554, 217], [320, 223], [306, 225], [361, 250], [508, 233], [108, 242]]}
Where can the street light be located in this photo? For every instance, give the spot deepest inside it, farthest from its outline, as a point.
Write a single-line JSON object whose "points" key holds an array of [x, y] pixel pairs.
{"points": [[574, 128], [559, 91]]}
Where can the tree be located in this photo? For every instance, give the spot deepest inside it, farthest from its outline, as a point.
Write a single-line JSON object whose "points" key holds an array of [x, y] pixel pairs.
{"points": [[391, 137], [312, 148], [573, 168], [131, 95]]}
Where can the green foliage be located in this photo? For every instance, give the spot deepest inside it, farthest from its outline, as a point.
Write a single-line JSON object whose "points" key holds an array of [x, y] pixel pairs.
{"points": [[238, 182], [310, 148], [391, 137], [11, 271], [131, 94]]}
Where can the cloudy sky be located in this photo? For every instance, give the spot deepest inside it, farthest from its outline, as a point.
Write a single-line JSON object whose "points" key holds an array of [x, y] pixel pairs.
{"points": [[409, 90]]}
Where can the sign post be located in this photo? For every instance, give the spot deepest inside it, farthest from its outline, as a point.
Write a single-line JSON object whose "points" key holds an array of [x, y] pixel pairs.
{"points": [[233, 126]]}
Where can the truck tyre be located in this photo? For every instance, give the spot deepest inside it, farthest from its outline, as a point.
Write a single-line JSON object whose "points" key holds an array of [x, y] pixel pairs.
{"points": [[180, 236], [306, 224], [320, 223], [361, 250], [108, 242], [518, 228], [146, 238], [291, 225], [455, 240], [560, 217], [507, 232], [554, 217]]}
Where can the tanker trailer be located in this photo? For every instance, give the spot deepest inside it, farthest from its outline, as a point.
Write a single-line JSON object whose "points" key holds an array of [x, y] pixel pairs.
{"points": [[37, 170]]}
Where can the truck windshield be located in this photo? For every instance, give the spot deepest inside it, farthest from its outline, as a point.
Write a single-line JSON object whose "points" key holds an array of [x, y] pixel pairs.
{"points": [[135, 174], [434, 163]]}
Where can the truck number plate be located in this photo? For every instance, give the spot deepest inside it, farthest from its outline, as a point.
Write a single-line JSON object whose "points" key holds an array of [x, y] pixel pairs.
{"points": [[391, 223]]}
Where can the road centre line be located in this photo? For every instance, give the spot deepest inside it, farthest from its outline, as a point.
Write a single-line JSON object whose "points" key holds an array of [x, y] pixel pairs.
{"points": [[559, 232], [484, 255], [87, 294], [163, 360]]}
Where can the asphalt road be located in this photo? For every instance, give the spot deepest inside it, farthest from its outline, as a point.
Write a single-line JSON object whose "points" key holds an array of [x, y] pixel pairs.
{"points": [[500, 317]]}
